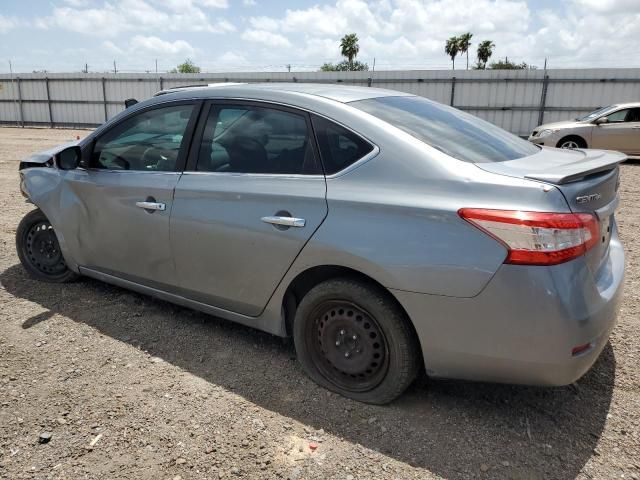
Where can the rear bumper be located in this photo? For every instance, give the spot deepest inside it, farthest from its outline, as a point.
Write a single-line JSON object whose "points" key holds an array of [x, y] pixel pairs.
{"points": [[523, 326]]}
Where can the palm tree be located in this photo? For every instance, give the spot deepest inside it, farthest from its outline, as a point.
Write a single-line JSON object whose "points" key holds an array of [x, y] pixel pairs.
{"points": [[485, 50], [452, 48], [349, 47], [464, 42]]}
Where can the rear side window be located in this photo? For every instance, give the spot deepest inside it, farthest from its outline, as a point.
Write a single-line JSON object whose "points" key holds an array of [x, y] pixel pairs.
{"points": [[451, 131], [254, 139], [339, 147]]}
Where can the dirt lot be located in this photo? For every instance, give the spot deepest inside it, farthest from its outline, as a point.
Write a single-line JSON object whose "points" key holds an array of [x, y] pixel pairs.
{"points": [[131, 387]]}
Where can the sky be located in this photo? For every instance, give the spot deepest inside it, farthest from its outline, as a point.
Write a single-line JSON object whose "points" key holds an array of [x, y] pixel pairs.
{"points": [[268, 35]]}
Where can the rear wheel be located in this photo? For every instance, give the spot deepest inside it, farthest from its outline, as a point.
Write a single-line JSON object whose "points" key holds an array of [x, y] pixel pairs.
{"points": [[572, 141], [352, 339], [39, 250]]}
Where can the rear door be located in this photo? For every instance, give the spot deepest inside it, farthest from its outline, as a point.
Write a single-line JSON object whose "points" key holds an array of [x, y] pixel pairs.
{"points": [[253, 195], [621, 132]]}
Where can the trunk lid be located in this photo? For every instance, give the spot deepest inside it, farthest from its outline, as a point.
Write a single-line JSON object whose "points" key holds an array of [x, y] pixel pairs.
{"points": [[588, 179]]}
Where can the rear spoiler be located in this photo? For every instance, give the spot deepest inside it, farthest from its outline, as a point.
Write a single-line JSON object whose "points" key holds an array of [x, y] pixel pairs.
{"points": [[594, 162]]}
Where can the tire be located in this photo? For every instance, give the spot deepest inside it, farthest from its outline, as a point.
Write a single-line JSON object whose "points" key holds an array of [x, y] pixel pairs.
{"points": [[571, 141], [39, 251], [351, 338]]}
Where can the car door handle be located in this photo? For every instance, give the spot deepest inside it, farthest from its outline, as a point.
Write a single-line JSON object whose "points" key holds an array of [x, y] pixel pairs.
{"points": [[285, 221], [152, 205]]}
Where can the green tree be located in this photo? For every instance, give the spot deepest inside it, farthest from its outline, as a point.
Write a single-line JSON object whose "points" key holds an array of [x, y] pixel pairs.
{"points": [[344, 66], [187, 67], [349, 47], [485, 50], [508, 65], [452, 48], [464, 42]]}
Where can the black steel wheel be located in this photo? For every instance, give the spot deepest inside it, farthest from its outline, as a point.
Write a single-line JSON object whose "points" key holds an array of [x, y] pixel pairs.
{"points": [[352, 338], [39, 250], [350, 345]]}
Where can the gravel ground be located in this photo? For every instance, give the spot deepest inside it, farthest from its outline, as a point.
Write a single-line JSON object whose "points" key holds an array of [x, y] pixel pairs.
{"points": [[131, 387]]}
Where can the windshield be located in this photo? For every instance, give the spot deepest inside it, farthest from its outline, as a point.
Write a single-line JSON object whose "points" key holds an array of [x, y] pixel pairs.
{"points": [[594, 114], [458, 134]]}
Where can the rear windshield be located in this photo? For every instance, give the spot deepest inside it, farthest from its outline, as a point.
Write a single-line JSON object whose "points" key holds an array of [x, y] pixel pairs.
{"points": [[451, 131]]}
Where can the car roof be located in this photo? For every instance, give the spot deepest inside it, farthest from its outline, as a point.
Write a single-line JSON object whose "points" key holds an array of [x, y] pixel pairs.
{"points": [[626, 105], [336, 92]]}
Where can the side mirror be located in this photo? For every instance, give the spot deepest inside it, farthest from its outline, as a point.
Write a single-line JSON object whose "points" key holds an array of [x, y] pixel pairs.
{"points": [[601, 120], [69, 158]]}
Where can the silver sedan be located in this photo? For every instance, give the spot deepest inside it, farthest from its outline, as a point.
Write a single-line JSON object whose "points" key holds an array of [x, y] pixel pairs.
{"points": [[386, 233]]}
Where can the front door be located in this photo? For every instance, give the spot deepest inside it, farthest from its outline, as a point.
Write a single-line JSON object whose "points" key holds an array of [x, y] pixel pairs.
{"points": [[255, 196], [621, 132], [121, 202]]}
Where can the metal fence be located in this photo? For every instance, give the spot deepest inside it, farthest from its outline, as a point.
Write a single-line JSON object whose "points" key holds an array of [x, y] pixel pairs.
{"points": [[517, 100]]}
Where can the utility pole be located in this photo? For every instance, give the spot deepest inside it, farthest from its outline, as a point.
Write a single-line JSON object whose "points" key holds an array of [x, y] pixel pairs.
{"points": [[86, 68], [374, 65], [545, 64], [156, 65], [289, 67], [115, 70], [15, 100]]}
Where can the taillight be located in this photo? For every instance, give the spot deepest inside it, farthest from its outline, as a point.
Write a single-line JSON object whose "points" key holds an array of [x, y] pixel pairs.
{"points": [[537, 238]]}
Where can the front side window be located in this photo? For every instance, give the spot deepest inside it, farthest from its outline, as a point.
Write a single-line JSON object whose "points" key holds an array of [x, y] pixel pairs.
{"points": [[458, 134], [148, 141], [255, 139], [618, 117], [339, 147]]}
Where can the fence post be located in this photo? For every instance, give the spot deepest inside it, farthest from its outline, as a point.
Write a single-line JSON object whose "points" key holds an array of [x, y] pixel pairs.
{"points": [[543, 99], [20, 103], [104, 99], [453, 90], [46, 82]]}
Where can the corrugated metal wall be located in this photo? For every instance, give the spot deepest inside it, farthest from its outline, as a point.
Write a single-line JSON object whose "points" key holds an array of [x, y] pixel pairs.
{"points": [[517, 100]]}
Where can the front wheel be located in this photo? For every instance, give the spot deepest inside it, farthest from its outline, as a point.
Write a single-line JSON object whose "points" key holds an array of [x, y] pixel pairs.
{"points": [[571, 142], [351, 338], [39, 250]]}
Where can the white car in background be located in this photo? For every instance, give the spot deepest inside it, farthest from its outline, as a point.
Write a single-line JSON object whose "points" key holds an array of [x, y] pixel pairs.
{"points": [[616, 127]]}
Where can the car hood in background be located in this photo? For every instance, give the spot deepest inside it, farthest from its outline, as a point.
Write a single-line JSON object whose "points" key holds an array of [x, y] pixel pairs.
{"points": [[560, 125]]}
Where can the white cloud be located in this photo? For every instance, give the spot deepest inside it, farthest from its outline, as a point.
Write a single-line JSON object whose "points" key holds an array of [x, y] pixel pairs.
{"points": [[77, 3], [268, 39], [213, 3], [265, 23], [111, 47], [112, 19], [585, 37], [156, 45], [6, 24], [249, 3]]}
